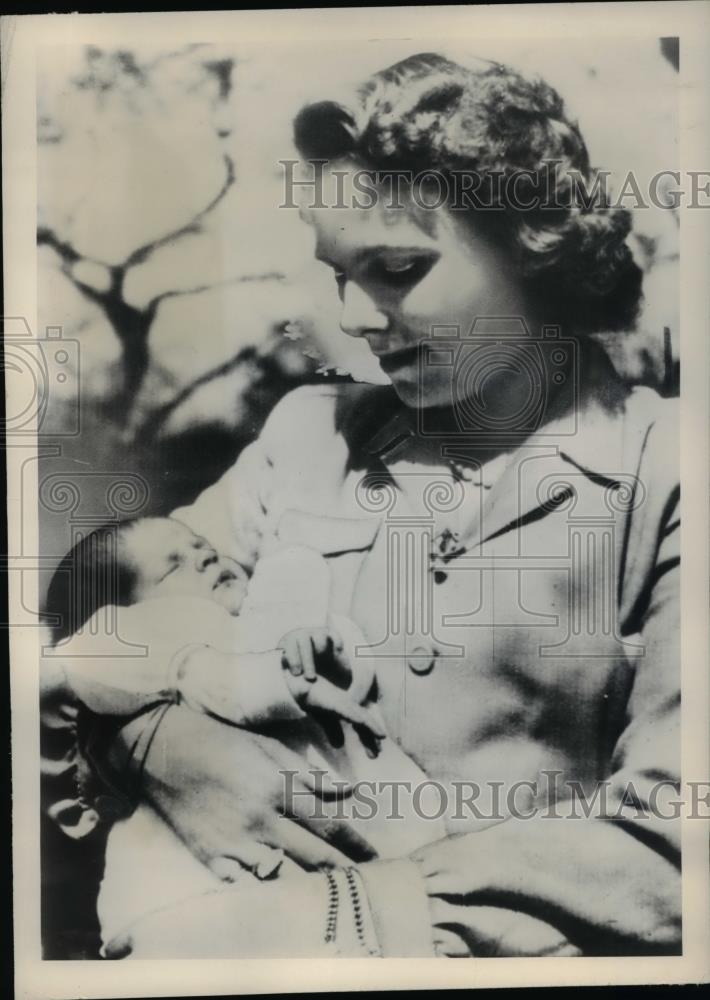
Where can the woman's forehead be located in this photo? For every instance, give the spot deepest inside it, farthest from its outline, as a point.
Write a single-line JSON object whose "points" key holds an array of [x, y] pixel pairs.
{"points": [[350, 209], [353, 229]]}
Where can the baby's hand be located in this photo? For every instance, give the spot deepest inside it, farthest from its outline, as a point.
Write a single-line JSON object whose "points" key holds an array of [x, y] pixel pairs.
{"points": [[327, 700], [309, 652], [306, 652]]}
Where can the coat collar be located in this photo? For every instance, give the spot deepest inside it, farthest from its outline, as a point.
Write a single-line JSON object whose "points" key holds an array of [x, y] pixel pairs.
{"points": [[586, 439], [592, 453]]}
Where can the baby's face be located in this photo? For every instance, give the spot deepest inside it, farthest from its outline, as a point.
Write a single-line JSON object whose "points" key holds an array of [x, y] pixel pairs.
{"points": [[170, 559]]}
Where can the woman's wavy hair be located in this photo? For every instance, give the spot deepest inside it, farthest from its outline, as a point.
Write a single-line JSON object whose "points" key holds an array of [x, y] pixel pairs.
{"points": [[427, 113], [92, 575]]}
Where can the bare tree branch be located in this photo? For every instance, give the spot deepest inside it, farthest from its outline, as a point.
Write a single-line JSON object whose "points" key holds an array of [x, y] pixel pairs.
{"points": [[130, 324], [140, 255], [159, 416], [154, 303]]}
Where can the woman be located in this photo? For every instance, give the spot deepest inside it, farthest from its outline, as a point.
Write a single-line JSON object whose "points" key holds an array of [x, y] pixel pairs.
{"points": [[502, 524]]}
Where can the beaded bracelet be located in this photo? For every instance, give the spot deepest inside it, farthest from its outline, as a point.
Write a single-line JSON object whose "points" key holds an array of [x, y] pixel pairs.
{"points": [[354, 880], [356, 905], [359, 906], [331, 921]]}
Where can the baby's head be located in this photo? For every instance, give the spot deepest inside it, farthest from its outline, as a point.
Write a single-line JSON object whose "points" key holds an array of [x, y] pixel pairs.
{"points": [[135, 560], [166, 558]]}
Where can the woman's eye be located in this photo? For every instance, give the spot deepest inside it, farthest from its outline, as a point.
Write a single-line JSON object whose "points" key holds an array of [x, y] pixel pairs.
{"points": [[394, 274], [399, 267], [401, 274]]}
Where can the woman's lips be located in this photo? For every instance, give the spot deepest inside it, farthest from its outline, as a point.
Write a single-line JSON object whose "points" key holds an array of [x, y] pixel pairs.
{"points": [[393, 360]]}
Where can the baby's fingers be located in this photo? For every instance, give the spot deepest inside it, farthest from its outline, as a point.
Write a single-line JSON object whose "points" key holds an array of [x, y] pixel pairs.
{"points": [[298, 656], [370, 742], [262, 860], [336, 639], [308, 658], [337, 664], [291, 658], [365, 722], [320, 637], [376, 715], [333, 699]]}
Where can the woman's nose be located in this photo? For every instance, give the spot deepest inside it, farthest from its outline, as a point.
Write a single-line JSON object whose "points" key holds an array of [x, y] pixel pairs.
{"points": [[360, 313], [205, 557]]}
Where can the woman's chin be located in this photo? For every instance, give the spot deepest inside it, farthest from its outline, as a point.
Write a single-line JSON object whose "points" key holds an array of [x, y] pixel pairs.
{"points": [[418, 395]]}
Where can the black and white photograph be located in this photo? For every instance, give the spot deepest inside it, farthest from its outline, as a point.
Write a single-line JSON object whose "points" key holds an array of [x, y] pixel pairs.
{"points": [[346, 501]]}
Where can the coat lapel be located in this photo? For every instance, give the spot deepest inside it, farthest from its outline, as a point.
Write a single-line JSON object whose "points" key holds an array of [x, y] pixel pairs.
{"points": [[551, 468], [540, 474]]}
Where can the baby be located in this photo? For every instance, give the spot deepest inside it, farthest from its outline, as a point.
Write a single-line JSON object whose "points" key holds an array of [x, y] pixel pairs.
{"points": [[255, 652], [160, 559]]}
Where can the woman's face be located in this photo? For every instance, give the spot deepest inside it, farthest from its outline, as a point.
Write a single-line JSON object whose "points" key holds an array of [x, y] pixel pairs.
{"points": [[170, 559], [401, 283]]}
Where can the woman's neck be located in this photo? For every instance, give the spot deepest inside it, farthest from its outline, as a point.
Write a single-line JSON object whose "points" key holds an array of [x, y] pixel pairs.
{"points": [[585, 373]]}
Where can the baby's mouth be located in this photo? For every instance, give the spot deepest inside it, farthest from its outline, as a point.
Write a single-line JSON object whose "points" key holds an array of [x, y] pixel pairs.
{"points": [[225, 576]]}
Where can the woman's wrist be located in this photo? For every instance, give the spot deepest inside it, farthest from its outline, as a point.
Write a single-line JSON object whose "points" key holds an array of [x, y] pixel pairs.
{"points": [[399, 905]]}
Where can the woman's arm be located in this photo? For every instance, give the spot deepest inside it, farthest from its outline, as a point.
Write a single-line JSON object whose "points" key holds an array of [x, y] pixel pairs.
{"points": [[133, 681], [297, 915], [134, 669], [219, 786]]}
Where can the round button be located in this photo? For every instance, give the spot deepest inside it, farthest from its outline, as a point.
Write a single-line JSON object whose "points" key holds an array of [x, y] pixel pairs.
{"points": [[90, 818], [421, 660]]}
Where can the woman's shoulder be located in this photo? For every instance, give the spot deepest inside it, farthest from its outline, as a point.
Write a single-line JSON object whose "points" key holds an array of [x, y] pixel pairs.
{"points": [[645, 404], [652, 430], [657, 419]]}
